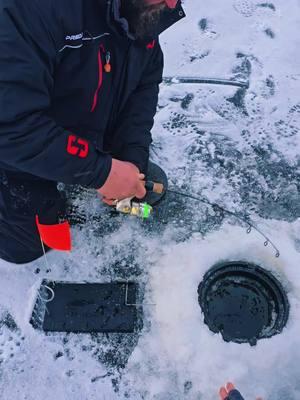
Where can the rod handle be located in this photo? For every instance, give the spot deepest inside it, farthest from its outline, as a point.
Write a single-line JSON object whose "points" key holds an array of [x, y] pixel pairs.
{"points": [[154, 187]]}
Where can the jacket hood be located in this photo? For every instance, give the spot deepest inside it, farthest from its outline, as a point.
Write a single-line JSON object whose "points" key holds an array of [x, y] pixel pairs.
{"points": [[119, 24]]}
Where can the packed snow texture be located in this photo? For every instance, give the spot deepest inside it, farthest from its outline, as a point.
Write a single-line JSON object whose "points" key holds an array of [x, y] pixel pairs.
{"points": [[238, 148]]}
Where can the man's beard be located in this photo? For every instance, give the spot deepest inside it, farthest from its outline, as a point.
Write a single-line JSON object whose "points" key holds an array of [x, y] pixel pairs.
{"points": [[142, 18]]}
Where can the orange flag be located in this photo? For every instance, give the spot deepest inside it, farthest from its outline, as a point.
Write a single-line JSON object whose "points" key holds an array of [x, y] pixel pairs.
{"points": [[57, 237]]}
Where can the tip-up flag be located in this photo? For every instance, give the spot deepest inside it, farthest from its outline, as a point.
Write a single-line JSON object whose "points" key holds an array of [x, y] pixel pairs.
{"points": [[57, 237]]}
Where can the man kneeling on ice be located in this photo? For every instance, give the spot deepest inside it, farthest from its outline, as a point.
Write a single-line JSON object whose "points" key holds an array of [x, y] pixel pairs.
{"points": [[79, 84]]}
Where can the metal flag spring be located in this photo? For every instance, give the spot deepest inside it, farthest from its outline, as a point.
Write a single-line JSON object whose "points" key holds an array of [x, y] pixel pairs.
{"points": [[47, 288]]}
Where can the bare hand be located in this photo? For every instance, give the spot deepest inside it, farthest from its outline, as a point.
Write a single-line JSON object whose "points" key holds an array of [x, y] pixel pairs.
{"points": [[124, 181]]}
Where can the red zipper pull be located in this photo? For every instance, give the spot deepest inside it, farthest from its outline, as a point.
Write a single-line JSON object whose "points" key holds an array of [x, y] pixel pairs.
{"points": [[107, 66]]}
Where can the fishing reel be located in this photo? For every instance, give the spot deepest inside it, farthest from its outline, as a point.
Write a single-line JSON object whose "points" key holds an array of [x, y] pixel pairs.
{"points": [[156, 185]]}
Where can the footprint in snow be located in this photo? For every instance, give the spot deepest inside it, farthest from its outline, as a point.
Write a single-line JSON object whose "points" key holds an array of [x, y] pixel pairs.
{"points": [[10, 338], [244, 7]]}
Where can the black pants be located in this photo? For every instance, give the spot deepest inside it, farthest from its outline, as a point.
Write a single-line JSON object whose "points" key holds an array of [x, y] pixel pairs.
{"points": [[22, 197]]}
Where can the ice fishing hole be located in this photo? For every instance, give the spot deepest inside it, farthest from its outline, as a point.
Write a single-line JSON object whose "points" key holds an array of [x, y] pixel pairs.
{"points": [[243, 301]]}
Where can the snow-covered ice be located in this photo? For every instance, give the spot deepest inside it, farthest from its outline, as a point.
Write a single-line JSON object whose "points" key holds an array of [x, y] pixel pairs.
{"points": [[234, 147]]}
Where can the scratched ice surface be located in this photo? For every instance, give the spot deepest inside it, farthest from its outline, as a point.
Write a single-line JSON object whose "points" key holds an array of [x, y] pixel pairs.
{"points": [[238, 148]]}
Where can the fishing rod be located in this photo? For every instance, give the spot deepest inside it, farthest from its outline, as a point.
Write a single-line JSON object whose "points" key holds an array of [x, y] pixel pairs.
{"points": [[243, 219], [144, 210]]}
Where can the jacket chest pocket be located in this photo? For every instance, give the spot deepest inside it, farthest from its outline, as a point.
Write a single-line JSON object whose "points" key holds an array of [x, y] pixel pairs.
{"points": [[104, 76], [82, 84]]}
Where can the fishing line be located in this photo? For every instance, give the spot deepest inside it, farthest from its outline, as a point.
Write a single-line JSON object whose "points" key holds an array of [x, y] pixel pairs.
{"points": [[44, 286], [245, 220]]}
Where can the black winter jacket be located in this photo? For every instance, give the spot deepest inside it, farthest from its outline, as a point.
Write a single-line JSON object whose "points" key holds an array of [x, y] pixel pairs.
{"points": [[63, 113]]}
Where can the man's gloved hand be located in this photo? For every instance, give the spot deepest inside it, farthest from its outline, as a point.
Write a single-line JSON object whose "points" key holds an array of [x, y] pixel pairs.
{"points": [[124, 181]]}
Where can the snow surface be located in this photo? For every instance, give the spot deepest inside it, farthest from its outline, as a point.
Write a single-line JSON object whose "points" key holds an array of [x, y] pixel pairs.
{"points": [[238, 148]]}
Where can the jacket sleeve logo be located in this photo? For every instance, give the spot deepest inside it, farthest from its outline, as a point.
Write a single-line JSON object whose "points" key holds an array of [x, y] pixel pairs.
{"points": [[77, 147]]}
